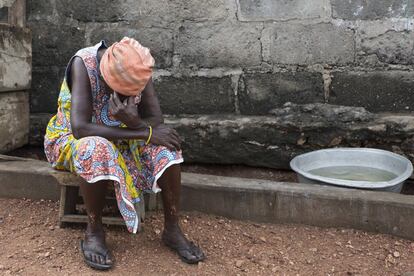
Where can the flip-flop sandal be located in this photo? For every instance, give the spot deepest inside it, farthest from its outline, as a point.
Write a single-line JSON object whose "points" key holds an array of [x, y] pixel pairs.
{"points": [[184, 252], [195, 248], [93, 264]]}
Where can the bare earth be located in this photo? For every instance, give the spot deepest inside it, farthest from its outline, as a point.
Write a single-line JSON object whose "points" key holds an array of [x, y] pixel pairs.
{"points": [[32, 244]]}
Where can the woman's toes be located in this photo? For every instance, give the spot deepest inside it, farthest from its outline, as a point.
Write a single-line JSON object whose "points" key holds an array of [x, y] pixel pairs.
{"points": [[199, 254], [197, 251], [93, 258], [98, 259], [101, 260], [88, 256], [190, 256], [109, 260]]}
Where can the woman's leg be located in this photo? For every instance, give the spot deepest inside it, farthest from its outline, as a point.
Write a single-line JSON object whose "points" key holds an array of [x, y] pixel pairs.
{"points": [[170, 184], [94, 244]]}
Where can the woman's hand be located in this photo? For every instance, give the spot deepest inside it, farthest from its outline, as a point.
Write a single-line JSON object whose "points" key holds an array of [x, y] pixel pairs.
{"points": [[166, 136], [126, 112]]}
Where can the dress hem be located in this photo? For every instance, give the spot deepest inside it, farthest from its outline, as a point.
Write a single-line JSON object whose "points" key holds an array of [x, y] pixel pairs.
{"points": [[104, 177], [115, 178], [155, 187]]}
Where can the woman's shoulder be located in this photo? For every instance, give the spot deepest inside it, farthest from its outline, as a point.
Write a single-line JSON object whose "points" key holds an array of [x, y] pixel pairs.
{"points": [[78, 64], [87, 58], [86, 52], [89, 52]]}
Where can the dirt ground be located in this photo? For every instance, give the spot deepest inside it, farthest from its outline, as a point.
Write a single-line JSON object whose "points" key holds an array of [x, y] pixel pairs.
{"points": [[32, 244]]}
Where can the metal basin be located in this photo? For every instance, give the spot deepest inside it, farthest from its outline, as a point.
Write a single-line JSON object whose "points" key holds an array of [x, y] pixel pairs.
{"points": [[383, 160]]}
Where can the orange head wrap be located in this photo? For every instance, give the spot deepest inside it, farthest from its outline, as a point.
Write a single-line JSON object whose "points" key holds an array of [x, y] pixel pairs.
{"points": [[126, 67]]}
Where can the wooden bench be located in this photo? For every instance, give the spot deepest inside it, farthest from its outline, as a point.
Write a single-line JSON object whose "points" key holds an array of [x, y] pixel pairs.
{"points": [[71, 201]]}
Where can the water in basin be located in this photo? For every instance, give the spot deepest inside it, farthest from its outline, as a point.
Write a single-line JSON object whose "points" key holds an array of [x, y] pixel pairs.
{"points": [[355, 173]]}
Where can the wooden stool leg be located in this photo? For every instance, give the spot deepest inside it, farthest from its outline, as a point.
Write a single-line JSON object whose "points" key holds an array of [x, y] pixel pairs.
{"points": [[152, 204], [140, 208], [158, 201], [68, 197]]}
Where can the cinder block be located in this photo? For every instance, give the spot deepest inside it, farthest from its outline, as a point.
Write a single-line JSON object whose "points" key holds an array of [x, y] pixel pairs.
{"points": [[259, 93], [371, 10], [376, 91], [219, 45], [282, 10], [15, 58], [292, 43], [38, 123], [195, 95], [147, 12], [390, 46], [14, 120], [54, 43], [45, 89], [39, 9]]}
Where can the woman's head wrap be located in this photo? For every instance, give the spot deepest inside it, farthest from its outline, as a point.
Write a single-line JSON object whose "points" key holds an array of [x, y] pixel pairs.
{"points": [[126, 67]]}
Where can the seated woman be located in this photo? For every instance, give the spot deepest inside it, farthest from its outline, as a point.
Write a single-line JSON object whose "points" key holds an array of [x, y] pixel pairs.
{"points": [[109, 130]]}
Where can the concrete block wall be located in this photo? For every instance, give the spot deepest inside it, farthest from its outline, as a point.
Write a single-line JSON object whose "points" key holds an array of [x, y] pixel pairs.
{"points": [[240, 57], [15, 75]]}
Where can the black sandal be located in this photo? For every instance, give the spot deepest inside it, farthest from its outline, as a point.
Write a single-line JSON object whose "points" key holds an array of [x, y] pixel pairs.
{"points": [[93, 264], [185, 252]]}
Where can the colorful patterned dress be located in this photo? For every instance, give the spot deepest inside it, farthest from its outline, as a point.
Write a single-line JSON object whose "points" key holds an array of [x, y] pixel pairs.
{"points": [[133, 166]]}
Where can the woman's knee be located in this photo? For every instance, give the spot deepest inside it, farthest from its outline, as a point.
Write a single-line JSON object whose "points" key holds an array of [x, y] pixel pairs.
{"points": [[167, 152], [95, 146]]}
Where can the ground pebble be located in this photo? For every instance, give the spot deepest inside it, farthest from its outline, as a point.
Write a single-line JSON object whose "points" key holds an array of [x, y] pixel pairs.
{"points": [[239, 263], [396, 254], [264, 263]]}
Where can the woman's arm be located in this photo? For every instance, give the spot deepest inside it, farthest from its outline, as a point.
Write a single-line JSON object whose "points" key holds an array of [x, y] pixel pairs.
{"points": [[81, 110], [149, 107], [150, 112]]}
